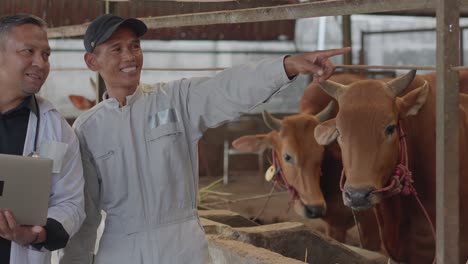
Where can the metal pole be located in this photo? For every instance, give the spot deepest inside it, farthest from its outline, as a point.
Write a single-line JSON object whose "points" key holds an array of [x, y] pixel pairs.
{"points": [[347, 40], [447, 147], [362, 53], [321, 33]]}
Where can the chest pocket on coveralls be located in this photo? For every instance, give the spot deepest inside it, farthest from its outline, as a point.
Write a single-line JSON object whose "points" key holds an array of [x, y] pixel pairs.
{"points": [[165, 133]]}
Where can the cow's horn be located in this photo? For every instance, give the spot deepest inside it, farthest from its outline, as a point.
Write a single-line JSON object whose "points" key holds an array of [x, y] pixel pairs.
{"points": [[399, 84], [271, 122], [334, 89], [327, 112]]}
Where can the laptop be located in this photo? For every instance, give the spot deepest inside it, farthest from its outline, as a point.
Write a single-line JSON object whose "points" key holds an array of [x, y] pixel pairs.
{"points": [[25, 187]]}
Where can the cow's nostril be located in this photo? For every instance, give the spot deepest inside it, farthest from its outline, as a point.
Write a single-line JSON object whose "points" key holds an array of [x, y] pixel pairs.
{"points": [[313, 211]]}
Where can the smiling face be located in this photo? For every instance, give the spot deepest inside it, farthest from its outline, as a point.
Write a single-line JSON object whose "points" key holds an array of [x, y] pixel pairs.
{"points": [[24, 59], [118, 60]]}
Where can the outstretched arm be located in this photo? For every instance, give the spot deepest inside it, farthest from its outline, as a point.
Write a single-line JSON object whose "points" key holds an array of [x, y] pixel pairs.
{"points": [[211, 101]]}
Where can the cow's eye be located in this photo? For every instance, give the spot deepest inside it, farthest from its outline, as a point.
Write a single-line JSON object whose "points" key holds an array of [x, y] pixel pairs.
{"points": [[287, 158], [390, 130]]}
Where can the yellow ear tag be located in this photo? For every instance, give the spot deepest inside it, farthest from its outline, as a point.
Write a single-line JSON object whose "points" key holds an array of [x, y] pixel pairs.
{"points": [[270, 173]]}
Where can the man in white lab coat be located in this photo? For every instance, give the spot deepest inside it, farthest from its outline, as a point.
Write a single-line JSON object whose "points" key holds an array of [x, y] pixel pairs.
{"points": [[29, 123], [139, 146]]}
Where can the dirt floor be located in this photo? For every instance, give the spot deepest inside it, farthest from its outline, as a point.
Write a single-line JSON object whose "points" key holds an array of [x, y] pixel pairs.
{"points": [[246, 194]]}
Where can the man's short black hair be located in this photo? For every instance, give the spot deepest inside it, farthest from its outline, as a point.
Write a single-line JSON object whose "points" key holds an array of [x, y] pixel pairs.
{"points": [[9, 22]]}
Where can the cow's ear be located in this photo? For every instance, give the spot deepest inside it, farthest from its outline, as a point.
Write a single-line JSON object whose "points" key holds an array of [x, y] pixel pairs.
{"points": [[326, 132], [411, 103], [81, 102], [253, 143]]}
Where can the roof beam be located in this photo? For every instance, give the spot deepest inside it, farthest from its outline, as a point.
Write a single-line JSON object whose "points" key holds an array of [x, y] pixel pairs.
{"points": [[274, 13]]}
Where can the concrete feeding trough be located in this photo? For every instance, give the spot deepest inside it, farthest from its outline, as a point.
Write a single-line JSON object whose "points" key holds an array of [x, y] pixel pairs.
{"points": [[288, 242], [226, 251]]}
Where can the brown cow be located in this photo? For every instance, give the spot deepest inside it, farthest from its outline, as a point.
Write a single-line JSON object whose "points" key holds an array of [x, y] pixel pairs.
{"points": [[312, 170], [367, 128]]}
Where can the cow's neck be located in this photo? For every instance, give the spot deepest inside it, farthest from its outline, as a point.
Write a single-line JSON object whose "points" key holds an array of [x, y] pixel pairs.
{"points": [[421, 152], [392, 221]]}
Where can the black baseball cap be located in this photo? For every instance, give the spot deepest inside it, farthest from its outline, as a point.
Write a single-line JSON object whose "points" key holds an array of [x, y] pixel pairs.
{"points": [[102, 28]]}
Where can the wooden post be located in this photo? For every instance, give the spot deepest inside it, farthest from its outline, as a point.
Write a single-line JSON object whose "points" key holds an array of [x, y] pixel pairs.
{"points": [[109, 8], [447, 147]]}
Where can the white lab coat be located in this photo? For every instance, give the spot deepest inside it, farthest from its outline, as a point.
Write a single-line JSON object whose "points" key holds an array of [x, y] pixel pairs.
{"points": [[66, 201], [141, 164]]}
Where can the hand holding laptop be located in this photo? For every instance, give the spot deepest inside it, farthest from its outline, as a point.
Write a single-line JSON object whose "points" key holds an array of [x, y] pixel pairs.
{"points": [[21, 234]]}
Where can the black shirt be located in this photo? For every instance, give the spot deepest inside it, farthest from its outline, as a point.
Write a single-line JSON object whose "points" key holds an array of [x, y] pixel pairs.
{"points": [[13, 129]]}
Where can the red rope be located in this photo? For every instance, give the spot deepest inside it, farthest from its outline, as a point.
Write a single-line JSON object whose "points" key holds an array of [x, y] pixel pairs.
{"points": [[281, 181]]}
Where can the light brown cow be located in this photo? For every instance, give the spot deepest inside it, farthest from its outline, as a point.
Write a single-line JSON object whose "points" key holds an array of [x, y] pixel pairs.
{"points": [[367, 129], [310, 169]]}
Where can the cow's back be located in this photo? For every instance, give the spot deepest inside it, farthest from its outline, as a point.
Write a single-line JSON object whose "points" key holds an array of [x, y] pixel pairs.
{"points": [[315, 99]]}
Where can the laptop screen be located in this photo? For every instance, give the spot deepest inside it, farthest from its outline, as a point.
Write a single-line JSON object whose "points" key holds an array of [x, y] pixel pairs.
{"points": [[25, 187]]}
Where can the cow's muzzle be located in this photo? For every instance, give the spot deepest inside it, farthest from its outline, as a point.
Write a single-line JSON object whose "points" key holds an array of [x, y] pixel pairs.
{"points": [[358, 198], [314, 211]]}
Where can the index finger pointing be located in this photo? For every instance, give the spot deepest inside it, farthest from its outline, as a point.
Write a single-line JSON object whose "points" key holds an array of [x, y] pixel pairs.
{"points": [[333, 52], [10, 219]]}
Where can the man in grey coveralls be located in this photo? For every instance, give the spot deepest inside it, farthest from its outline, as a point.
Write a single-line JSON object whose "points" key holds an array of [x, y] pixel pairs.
{"points": [[139, 145]]}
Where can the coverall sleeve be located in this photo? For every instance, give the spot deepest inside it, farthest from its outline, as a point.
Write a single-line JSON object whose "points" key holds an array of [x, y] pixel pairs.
{"points": [[211, 101], [80, 249]]}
